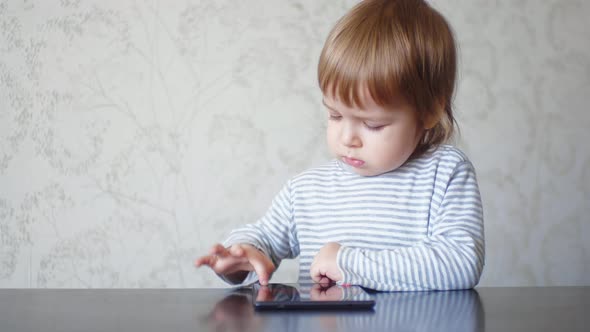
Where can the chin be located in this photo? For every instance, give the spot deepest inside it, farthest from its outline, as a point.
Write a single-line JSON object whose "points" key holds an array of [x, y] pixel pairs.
{"points": [[375, 172], [368, 172]]}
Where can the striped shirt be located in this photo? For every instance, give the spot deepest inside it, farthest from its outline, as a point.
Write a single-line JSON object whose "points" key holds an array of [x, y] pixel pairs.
{"points": [[418, 227]]}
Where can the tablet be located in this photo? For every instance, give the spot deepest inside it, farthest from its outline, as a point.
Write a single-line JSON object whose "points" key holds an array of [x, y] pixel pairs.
{"points": [[310, 296]]}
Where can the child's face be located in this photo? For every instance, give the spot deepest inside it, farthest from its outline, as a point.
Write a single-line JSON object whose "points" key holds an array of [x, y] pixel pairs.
{"points": [[372, 140]]}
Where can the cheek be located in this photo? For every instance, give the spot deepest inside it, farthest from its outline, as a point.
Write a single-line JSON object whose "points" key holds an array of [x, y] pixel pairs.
{"points": [[394, 144], [331, 134]]}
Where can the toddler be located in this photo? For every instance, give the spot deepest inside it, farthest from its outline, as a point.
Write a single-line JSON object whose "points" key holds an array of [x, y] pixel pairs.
{"points": [[397, 209]]}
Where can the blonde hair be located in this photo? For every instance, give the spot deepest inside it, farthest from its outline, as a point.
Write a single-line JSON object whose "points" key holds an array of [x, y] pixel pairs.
{"points": [[390, 47]]}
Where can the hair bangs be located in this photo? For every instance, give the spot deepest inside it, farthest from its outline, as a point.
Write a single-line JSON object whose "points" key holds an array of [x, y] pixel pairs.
{"points": [[364, 60]]}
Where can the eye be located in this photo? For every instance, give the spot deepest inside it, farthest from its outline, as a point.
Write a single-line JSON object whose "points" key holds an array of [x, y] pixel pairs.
{"points": [[374, 127], [335, 116]]}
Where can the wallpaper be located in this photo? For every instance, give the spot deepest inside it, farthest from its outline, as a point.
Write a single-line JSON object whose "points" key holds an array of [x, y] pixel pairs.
{"points": [[136, 134]]}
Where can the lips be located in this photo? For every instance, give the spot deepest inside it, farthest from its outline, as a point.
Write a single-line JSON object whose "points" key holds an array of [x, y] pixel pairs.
{"points": [[353, 162]]}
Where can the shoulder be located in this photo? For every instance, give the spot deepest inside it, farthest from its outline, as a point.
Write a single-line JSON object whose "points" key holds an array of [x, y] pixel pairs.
{"points": [[451, 152], [439, 164], [443, 156], [452, 155]]}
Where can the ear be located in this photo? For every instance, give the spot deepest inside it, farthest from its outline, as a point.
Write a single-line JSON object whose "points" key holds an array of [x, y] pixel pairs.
{"points": [[431, 119]]}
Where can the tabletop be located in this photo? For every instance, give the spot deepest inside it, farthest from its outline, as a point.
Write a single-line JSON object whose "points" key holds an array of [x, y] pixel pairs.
{"points": [[482, 309]]}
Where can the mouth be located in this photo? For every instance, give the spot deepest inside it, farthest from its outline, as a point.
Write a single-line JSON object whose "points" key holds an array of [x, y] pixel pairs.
{"points": [[353, 162]]}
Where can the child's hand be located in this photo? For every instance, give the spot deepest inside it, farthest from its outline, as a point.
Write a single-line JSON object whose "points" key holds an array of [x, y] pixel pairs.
{"points": [[237, 258], [324, 269]]}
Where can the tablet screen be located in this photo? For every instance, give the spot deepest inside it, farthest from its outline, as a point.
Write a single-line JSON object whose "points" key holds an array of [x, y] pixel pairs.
{"points": [[311, 296]]}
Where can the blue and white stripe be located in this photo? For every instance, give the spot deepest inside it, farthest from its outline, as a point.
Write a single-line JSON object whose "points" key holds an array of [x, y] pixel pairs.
{"points": [[419, 227]]}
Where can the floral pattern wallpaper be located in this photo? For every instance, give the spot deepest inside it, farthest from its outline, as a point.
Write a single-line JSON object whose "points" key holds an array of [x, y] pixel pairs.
{"points": [[135, 134]]}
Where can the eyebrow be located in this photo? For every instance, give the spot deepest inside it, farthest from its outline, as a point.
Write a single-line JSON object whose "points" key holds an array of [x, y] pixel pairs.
{"points": [[378, 118]]}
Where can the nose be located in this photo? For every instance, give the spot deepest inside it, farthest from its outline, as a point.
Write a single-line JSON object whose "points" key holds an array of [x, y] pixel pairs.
{"points": [[349, 136]]}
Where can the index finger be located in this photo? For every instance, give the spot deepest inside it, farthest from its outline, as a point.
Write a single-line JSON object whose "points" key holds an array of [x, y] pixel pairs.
{"points": [[262, 271], [261, 264], [205, 260]]}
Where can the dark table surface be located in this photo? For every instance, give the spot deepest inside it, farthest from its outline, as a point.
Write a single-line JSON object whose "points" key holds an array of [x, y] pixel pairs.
{"points": [[483, 309]]}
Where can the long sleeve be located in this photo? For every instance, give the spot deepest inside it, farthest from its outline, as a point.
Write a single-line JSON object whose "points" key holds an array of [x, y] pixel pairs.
{"points": [[450, 257], [274, 234]]}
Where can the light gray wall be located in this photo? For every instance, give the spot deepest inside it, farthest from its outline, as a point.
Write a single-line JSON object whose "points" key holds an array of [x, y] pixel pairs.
{"points": [[133, 135]]}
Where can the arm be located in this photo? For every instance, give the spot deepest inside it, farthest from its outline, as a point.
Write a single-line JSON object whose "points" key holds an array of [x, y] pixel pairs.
{"points": [[451, 257], [274, 235]]}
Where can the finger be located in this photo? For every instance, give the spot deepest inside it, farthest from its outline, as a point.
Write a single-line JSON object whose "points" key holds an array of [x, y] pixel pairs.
{"points": [[261, 264], [231, 264], [219, 250], [334, 273], [325, 281], [262, 270], [315, 274], [224, 264], [205, 260], [236, 250]]}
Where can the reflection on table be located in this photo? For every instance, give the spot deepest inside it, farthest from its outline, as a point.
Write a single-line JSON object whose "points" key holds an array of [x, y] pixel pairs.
{"points": [[400, 311]]}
